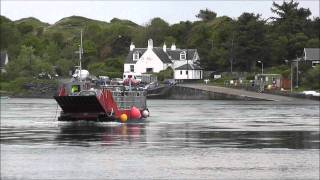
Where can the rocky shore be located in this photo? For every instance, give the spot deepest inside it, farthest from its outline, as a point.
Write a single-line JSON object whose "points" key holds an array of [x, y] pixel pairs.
{"points": [[34, 90]]}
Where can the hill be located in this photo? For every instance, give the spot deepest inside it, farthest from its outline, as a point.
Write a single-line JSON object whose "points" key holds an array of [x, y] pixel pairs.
{"points": [[32, 21]]}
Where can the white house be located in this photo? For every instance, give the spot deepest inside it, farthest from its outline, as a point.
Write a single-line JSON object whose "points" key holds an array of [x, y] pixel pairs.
{"points": [[154, 59], [311, 56]]}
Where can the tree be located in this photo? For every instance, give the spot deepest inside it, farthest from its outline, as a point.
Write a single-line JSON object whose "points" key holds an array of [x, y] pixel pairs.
{"points": [[23, 65], [252, 43], [312, 78], [25, 28], [52, 50], [180, 32], [293, 24], [206, 15], [58, 38], [290, 19], [157, 30], [9, 37]]}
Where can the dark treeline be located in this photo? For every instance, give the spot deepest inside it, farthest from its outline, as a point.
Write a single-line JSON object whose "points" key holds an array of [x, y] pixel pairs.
{"points": [[36, 47]]}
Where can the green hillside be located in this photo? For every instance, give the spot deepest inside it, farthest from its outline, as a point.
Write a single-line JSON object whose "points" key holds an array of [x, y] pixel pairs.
{"points": [[34, 46], [32, 21]]}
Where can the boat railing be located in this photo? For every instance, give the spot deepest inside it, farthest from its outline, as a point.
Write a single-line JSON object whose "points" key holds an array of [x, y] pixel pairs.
{"points": [[126, 102]]}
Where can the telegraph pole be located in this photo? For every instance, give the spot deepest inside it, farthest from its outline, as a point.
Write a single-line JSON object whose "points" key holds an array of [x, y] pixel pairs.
{"points": [[187, 65], [232, 54], [297, 85]]}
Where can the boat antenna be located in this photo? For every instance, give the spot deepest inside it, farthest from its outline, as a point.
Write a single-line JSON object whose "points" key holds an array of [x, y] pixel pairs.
{"points": [[80, 55]]}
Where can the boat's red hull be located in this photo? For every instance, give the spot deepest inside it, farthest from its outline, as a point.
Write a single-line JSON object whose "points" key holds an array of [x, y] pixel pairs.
{"points": [[99, 108]]}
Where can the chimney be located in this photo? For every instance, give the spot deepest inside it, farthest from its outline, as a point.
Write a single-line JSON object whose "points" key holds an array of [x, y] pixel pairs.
{"points": [[164, 47], [132, 46], [173, 46], [150, 44]]}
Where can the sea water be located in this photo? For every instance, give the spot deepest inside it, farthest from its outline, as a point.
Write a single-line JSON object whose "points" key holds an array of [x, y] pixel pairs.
{"points": [[180, 140]]}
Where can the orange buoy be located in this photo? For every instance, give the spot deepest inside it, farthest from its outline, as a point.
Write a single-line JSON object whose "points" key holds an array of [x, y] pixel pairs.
{"points": [[135, 113], [123, 118]]}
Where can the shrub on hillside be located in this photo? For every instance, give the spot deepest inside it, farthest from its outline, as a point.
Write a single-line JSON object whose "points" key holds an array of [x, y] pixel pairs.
{"points": [[312, 78]]}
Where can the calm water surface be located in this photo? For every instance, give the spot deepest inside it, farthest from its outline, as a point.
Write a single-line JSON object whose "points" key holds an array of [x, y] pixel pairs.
{"points": [[181, 140]]}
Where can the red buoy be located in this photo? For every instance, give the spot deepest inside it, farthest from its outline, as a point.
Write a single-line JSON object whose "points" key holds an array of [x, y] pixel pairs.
{"points": [[135, 113]]}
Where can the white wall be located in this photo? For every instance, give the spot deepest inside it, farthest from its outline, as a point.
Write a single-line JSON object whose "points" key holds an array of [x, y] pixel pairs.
{"points": [[126, 67], [148, 60], [193, 74]]}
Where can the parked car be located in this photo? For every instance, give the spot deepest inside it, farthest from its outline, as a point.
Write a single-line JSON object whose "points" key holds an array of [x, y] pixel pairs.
{"points": [[103, 80], [312, 93], [116, 81], [151, 85], [169, 82]]}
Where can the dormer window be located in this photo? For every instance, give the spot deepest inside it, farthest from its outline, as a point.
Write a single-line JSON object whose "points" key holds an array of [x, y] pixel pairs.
{"points": [[183, 55], [136, 56]]}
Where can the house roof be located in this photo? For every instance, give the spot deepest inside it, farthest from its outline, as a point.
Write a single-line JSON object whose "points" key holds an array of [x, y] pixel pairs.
{"points": [[165, 57], [129, 59], [3, 56], [162, 55], [312, 53], [175, 54], [188, 67]]}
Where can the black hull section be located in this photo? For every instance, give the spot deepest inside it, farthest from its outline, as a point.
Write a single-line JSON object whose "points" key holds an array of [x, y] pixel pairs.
{"points": [[80, 104]]}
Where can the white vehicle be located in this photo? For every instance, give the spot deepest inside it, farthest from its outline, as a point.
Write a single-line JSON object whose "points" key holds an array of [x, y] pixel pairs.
{"points": [[83, 75], [312, 93]]}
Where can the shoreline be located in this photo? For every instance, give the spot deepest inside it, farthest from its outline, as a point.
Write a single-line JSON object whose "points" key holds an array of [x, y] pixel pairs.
{"points": [[166, 95]]}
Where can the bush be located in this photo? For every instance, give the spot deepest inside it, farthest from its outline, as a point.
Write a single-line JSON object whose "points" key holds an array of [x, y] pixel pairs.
{"points": [[311, 79], [165, 74]]}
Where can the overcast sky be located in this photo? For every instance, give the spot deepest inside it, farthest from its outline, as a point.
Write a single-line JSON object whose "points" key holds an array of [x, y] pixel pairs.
{"points": [[138, 11]]}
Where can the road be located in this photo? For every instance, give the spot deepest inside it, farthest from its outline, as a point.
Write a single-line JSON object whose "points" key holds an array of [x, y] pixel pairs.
{"points": [[239, 92]]}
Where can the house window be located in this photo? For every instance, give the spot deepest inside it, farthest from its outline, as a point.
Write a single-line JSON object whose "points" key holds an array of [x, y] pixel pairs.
{"points": [[180, 72], [136, 56], [149, 70], [131, 68], [183, 55], [187, 72], [314, 63]]}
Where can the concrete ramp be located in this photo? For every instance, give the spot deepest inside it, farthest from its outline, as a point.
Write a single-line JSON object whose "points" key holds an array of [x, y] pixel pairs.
{"points": [[238, 93]]}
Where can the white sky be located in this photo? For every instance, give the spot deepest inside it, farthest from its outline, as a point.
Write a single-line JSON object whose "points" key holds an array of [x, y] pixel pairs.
{"points": [[138, 11]]}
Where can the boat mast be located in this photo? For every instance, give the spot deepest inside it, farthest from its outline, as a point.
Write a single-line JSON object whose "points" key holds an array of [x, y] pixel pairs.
{"points": [[80, 56]]}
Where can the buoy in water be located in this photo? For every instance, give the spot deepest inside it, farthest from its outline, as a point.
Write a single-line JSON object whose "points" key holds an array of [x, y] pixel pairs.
{"points": [[135, 113], [145, 113], [123, 118]]}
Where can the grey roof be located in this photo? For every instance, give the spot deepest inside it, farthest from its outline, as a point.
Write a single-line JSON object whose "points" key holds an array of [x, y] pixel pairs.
{"points": [[129, 59], [188, 67], [312, 53], [175, 54], [165, 57], [162, 55], [3, 56]]}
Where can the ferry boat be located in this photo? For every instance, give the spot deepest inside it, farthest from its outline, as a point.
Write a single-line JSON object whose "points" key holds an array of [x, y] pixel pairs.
{"points": [[85, 99]]}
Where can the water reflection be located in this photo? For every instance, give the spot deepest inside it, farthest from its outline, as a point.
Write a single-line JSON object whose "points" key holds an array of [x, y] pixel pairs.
{"points": [[261, 139], [159, 135], [86, 134]]}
